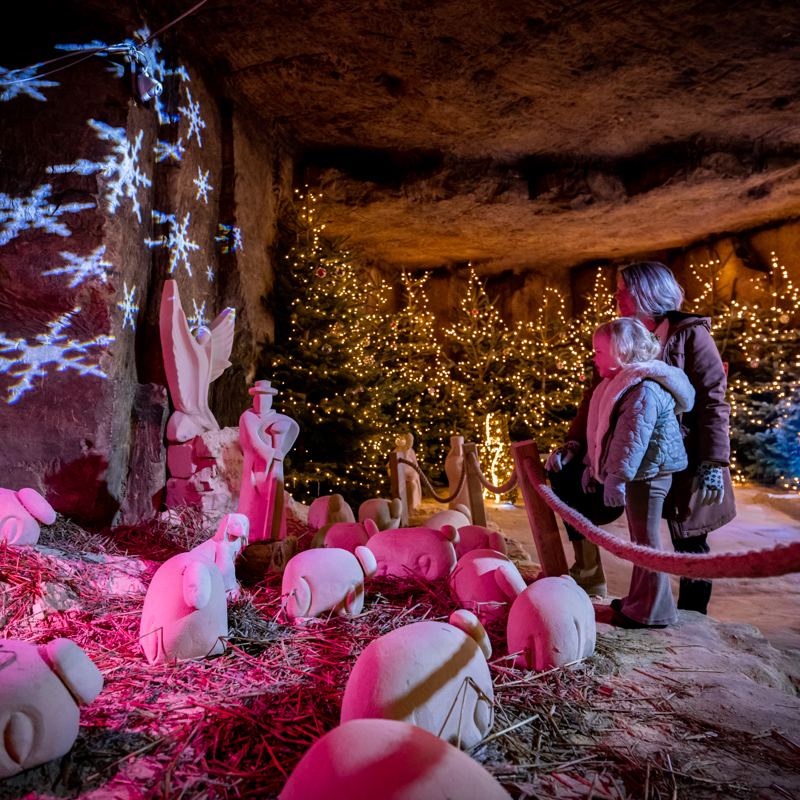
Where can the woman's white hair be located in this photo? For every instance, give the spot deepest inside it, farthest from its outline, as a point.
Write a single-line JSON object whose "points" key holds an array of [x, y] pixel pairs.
{"points": [[630, 341], [653, 289]]}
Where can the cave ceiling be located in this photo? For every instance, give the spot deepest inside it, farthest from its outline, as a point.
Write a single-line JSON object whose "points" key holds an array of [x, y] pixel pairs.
{"points": [[522, 135]]}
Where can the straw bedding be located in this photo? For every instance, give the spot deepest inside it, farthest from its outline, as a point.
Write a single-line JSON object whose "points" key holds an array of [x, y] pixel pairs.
{"points": [[235, 726]]}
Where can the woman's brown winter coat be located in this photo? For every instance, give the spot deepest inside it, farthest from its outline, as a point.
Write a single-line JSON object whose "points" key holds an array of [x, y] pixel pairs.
{"points": [[706, 427]]}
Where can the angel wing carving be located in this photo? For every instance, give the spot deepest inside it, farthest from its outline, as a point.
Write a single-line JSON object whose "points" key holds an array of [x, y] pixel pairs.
{"points": [[191, 363]]}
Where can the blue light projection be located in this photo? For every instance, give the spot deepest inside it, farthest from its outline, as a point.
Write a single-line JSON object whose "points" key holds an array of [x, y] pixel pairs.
{"points": [[165, 150], [202, 184], [231, 238], [181, 73], [177, 240], [82, 268], [20, 213], [118, 70], [198, 318], [128, 175], [130, 308], [52, 347], [16, 82], [210, 273], [192, 113]]}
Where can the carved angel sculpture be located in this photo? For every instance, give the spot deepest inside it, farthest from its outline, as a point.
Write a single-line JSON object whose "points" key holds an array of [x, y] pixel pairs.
{"points": [[192, 363]]}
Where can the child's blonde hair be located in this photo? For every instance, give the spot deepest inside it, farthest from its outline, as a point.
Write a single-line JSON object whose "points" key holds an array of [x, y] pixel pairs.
{"points": [[630, 341]]}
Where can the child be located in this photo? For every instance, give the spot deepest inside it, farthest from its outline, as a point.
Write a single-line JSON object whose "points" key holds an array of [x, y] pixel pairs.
{"points": [[634, 445]]}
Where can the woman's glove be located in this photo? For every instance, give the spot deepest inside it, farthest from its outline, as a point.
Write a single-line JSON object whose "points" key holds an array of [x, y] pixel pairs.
{"points": [[588, 483], [613, 492], [708, 484], [561, 456]]}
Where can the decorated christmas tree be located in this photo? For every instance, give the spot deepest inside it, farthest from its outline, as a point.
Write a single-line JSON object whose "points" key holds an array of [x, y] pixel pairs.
{"points": [[482, 395], [764, 385], [321, 361], [403, 344]]}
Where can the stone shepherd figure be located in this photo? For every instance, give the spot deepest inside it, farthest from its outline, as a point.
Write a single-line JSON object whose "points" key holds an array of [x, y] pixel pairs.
{"points": [[266, 437]]}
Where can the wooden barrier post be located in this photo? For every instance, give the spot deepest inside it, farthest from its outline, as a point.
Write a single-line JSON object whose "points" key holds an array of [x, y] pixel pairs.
{"points": [[398, 474], [474, 488], [540, 516]]}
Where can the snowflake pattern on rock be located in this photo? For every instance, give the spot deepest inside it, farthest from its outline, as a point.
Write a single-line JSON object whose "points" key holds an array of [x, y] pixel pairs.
{"points": [[202, 184], [177, 240], [198, 317], [16, 82], [81, 268], [192, 113], [165, 150], [129, 308], [20, 213], [118, 70], [210, 273], [26, 361], [129, 176], [231, 238]]}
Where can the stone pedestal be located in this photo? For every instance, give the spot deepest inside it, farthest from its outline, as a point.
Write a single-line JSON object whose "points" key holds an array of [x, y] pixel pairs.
{"points": [[206, 473]]}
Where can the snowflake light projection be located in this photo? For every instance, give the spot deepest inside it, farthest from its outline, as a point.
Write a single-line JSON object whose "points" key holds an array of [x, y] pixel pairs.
{"points": [[130, 308], [177, 240], [198, 318], [118, 70], [16, 82], [52, 347], [192, 113], [82, 268], [128, 175], [231, 238], [165, 150], [20, 213], [210, 273], [202, 184], [180, 72]]}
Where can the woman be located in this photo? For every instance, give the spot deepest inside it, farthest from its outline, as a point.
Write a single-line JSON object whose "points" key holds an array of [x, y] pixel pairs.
{"points": [[701, 498]]}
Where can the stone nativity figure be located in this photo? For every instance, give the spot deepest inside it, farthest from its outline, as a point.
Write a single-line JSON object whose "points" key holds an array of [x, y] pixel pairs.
{"points": [[266, 437], [192, 360], [405, 449]]}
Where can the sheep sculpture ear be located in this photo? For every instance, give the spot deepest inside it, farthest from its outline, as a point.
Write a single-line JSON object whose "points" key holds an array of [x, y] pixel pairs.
{"points": [[496, 541], [467, 622], [300, 598], [509, 581], [367, 560], [37, 506], [370, 527], [76, 670], [450, 532], [196, 585]]}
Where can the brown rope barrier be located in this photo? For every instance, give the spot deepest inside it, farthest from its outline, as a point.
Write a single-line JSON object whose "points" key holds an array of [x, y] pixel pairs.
{"points": [[779, 560], [428, 483], [504, 489]]}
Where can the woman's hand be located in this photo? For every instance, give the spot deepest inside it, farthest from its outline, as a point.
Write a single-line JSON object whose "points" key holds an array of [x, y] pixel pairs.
{"points": [[708, 484], [561, 456], [588, 483]]}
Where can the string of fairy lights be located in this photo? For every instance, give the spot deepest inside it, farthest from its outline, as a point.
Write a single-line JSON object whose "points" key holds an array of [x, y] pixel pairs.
{"points": [[760, 342], [384, 364]]}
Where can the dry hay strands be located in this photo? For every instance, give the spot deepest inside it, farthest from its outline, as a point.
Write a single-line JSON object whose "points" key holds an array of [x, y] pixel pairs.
{"points": [[159, 539]]}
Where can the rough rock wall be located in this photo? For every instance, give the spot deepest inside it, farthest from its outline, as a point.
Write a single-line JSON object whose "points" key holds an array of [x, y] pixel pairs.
{"points": [[101, 200]]}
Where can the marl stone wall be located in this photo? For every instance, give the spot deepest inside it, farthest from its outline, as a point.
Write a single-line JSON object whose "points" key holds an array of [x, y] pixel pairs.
{"points": [[102, 198]]}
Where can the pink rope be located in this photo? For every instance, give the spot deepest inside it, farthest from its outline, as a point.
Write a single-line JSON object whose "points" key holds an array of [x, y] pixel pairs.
{"points": [[779, 560]]}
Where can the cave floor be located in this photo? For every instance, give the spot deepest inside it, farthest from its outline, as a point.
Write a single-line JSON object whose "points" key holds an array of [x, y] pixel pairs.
{"points": [[771, 604]]}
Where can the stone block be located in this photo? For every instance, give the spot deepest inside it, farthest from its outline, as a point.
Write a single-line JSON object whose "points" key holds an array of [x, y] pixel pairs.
{"points": [[181, 460]]}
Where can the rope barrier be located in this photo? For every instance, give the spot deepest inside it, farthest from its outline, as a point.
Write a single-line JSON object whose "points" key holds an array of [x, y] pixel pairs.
{"points": [[779, 560], [504, 489], [428, 483]]}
